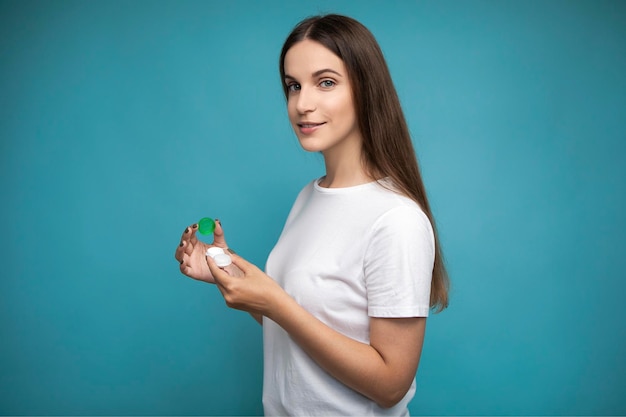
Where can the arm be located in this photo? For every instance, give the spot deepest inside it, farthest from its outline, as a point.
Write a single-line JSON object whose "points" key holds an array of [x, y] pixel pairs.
{"points": [[257, 317], [382, 370]]}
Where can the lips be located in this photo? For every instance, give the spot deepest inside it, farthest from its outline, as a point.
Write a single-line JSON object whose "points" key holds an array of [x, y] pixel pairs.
{"points": [[308, 128], [308, 125]]}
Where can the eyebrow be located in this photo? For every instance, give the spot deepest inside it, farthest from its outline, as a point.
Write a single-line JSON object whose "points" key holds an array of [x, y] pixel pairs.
{"points": [[317, 73]]}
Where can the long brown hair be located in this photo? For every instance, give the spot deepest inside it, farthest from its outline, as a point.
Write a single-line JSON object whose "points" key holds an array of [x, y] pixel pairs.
{"points": [[387, 147]]}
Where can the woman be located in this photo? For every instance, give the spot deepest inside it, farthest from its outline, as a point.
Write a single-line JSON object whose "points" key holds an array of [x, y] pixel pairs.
{"points": [[351, 280]]}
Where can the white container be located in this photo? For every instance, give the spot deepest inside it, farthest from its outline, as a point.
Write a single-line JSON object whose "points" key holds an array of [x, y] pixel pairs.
{"points": [[214, 250], [222, 260]]}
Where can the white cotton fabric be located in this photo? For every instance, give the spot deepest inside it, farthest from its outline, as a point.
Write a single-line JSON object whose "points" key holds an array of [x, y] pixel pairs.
{"points": [[345, 255]]}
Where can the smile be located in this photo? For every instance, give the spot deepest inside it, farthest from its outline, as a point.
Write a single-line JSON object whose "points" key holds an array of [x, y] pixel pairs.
{"points": [[309, 125], [308, 128]]}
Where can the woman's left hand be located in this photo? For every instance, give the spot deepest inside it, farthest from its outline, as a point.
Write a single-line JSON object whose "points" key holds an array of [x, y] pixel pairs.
{"points": [[254, 292]]}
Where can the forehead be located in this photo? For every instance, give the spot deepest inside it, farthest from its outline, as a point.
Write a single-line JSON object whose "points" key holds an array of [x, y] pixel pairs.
{"points": [[306, 57]]}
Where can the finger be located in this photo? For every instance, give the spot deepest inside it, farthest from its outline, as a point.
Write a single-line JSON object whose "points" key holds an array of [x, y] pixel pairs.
{"points": [[221, 277], [193, 238], [190, 239], [184, 268], [187, 241], [218, 235], [180, 250], [186, 234], [187, 246]]}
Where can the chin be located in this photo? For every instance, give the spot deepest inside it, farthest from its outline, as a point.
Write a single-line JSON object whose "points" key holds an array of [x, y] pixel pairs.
{"points": [[310, 145]]}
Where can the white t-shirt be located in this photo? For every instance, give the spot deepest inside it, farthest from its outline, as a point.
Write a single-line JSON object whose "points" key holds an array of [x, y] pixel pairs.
{"points": [[345, 255]]}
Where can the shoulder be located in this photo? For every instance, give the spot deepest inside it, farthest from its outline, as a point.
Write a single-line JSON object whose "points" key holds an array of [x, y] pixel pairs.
{"points": [[398, 210], [402, 216], [301, 201], [402, 222], [308, 188], [305, 192]]}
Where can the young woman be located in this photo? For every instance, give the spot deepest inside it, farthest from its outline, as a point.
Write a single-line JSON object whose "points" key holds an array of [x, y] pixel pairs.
{"points": [[357, 268]]}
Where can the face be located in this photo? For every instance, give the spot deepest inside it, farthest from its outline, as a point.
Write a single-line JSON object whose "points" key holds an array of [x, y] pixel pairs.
{"points": [[320, 103]]}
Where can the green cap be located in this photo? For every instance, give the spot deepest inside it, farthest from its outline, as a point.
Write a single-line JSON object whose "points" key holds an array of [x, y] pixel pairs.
{"points": [[206, 226]]}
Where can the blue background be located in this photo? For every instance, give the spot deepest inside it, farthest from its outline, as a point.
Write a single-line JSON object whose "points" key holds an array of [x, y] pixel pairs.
{"points": [[122, 122]]}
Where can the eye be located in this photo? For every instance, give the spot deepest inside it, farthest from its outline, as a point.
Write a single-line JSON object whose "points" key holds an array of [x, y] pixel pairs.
{"points": [[292, 87], [327, 83]]}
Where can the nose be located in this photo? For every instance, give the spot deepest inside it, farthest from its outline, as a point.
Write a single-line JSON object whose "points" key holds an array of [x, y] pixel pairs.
{"points": [[305, 100]]}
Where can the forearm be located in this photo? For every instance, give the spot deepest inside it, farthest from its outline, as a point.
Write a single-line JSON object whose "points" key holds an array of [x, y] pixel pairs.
{"points": [[381, 370], [258, 317], [358, 365]]}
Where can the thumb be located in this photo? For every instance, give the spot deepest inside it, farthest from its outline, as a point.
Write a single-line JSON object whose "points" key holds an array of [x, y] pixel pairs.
{"points": [[218, 235], [220, 276]]}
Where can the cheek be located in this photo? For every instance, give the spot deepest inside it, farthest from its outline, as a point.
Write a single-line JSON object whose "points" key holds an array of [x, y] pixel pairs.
{"points": [[291, 111], [345, 108]]}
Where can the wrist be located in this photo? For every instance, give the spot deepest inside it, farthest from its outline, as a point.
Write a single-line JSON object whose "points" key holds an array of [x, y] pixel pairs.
{"points": [[282, 307], [276, 301]]}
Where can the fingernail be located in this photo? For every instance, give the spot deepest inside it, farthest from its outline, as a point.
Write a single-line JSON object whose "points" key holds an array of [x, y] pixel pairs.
{"points": [[194, 226], [181, 261], [181, 244], [218, 221], [187, 230]]}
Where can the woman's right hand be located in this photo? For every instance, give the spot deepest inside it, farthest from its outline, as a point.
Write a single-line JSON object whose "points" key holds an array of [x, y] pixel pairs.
{"points": [[191, 252]]}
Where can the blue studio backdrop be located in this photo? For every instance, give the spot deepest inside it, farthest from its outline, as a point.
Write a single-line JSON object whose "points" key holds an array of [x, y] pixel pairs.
{"points": [[121, 122]]}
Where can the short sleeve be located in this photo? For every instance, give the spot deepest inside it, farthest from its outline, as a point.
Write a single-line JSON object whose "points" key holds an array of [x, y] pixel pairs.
{"points": [[398, 264]]}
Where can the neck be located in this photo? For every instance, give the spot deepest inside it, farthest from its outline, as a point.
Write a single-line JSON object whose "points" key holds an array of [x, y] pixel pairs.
{"points": [[344, 171]]}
